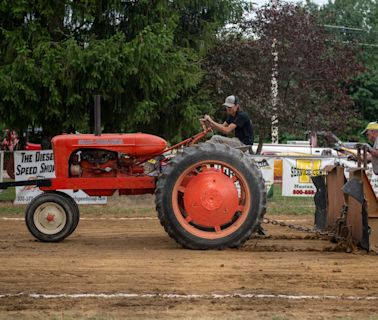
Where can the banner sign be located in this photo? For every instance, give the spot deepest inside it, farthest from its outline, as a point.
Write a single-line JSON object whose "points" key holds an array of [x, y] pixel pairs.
{"points": [[297, 172], [266, 165], [373, 178], [31, 165]]}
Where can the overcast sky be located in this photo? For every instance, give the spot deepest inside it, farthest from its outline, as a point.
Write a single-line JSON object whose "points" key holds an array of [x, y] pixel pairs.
{"points": [[262, 2]]}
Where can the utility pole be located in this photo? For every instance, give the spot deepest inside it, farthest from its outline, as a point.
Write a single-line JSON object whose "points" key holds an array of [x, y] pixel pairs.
{"points": [[274, 86]]}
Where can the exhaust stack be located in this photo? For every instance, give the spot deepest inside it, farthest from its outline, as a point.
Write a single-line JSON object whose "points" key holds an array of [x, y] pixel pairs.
{"points": [[97, 115]]}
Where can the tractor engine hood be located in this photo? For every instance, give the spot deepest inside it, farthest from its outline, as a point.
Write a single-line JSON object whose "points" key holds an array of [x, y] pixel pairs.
{"points": [[133, 144]]}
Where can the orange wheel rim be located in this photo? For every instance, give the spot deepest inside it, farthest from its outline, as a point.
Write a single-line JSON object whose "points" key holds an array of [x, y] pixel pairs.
{"points": [[211, 199]]}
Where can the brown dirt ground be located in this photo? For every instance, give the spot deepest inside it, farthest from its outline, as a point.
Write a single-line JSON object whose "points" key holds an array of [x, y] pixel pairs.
{"points": [[283, 271]]}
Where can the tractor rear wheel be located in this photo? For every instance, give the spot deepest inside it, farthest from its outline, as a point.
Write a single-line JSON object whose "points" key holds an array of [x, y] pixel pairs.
{"points": [[210, 196], [51, 217]]}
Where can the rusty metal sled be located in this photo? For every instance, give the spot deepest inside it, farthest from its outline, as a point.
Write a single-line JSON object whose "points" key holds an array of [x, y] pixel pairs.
{"points": [[347, 208]]}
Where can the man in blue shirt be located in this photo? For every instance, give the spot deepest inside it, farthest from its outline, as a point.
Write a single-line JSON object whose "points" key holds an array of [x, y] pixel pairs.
{"points": [[237, 120]]}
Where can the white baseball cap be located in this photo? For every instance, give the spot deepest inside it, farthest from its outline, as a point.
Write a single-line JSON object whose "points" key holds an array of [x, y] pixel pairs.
{"points": [[231, 101]]}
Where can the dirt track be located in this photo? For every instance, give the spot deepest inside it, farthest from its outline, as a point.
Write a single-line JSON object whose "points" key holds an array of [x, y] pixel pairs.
{"points": [[143, 274]]}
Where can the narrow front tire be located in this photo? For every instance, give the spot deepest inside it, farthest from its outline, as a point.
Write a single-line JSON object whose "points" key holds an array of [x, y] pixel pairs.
{"points": [[50, 217]]}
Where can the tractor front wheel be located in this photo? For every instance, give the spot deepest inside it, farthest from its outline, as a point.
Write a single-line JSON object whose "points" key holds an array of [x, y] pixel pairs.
{"points": [[210, 196], [74, 207], [51, 216]]}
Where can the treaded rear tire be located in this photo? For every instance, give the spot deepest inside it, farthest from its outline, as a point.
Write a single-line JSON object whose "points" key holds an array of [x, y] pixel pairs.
{"points": [[168, 200]]}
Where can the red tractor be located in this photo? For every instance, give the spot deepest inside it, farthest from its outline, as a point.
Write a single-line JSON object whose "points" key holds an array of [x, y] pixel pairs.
{"points": [[208, 196]]}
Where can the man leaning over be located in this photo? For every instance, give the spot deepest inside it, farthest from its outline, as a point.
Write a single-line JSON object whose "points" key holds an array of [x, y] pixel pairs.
{"points": [[371, 132]]}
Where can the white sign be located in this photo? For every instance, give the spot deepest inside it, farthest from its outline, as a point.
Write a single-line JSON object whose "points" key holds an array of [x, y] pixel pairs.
{"points": [[297, 172], [373, 178], [266, 165], [31, 165]]}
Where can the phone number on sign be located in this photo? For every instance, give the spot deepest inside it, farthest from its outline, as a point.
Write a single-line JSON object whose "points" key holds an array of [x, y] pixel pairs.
{"points": [[305, 192]]}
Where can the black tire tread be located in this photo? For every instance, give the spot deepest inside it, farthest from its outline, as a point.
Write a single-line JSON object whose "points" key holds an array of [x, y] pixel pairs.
{"points": [[50, 197], [173, 165]]}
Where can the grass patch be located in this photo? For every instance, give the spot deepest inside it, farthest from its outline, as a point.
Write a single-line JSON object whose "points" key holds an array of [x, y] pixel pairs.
{"points": [[7, 195], [277, 204], [9, 209], [99, 210], [144, 205]]}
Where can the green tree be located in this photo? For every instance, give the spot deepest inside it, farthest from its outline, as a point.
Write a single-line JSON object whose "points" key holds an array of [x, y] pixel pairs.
{"points": [[142, 57], [356, 21], [313, 71]]}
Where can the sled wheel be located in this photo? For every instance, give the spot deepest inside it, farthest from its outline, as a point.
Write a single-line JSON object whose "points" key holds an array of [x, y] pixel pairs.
{"points": [[74, 207], [50, 217], [210, 196]]}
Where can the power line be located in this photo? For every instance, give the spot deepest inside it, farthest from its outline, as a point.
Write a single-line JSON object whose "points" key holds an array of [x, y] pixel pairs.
{"points": [[362, 44], [343, 28], [348, 28]]}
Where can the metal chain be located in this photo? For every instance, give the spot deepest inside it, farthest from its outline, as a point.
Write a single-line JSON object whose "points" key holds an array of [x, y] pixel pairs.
{"points": [[319, 233], [340, 232]]}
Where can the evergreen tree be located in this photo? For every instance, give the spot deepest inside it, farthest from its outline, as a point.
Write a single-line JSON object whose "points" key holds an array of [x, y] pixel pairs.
{"points": [[142, 57]]}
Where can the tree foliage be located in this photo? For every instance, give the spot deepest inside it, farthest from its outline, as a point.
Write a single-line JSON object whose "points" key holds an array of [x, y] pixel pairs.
{"points": [[356, 21], [142, 57], [313, 71]]}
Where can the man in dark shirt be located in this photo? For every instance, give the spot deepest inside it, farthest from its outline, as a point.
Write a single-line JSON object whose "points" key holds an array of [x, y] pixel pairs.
{"points": [[237, 121]]}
